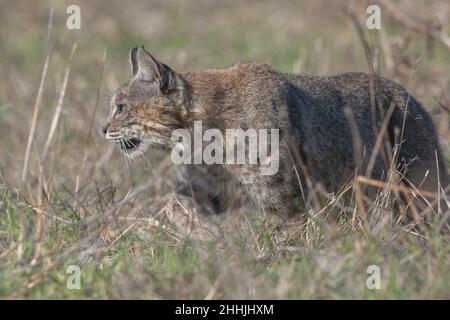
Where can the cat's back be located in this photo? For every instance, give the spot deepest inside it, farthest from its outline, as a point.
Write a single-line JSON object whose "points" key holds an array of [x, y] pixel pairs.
{"points": [[350, 88]]}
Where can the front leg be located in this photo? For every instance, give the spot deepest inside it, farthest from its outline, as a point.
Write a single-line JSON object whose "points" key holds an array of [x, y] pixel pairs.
{"points": [[205, 185]]}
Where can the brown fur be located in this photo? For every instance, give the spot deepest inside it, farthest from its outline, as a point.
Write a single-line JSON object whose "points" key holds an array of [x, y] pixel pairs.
{"points": [[316, 137]]}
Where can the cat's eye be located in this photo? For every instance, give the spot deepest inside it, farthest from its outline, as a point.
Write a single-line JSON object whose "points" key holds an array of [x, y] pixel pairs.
{"points": [[119, 108]]}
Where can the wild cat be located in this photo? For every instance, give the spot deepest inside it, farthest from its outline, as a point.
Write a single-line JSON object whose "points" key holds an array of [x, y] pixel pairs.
{"points": [[328, 128]]}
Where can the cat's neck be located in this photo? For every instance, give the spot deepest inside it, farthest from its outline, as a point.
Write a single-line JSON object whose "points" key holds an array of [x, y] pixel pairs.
{"points": [[209, 99]]}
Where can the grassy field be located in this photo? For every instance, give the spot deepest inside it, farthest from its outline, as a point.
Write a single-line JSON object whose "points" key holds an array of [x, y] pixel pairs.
{"points": [[77, 202]]}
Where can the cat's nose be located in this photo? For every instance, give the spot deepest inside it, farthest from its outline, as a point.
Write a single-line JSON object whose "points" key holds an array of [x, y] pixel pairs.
{"points": [[105, 128]]}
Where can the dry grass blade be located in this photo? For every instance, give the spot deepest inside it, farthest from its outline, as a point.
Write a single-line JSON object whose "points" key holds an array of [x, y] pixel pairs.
{"points": [[97, 97], [367, 49], [403, 189], [59, 105], [378, 143], [415, 24], [38, 102]]}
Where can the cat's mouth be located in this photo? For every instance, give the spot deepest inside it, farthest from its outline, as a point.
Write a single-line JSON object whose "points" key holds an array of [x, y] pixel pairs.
{"points": [[129, 145]]}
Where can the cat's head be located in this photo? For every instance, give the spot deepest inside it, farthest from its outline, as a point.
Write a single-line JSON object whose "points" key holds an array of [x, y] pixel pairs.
{"points": [[146, 108]]}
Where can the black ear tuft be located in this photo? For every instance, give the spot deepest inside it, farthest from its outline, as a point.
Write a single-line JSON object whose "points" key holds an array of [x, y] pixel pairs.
{"points": [[133, 60], [168, 80]]}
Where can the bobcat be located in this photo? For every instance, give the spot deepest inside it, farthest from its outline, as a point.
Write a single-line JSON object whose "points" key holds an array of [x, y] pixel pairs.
{"points": [[328, 128]]}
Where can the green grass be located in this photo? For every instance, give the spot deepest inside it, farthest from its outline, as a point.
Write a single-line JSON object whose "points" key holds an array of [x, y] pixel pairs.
{"points": [[251, 265]]}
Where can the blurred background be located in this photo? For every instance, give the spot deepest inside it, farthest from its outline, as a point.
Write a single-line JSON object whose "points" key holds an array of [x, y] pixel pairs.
{"points": [[76, 200]]}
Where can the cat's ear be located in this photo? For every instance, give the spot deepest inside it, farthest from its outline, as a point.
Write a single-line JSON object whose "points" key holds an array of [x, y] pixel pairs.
{"points": [[146, 67], [133, 61]]}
